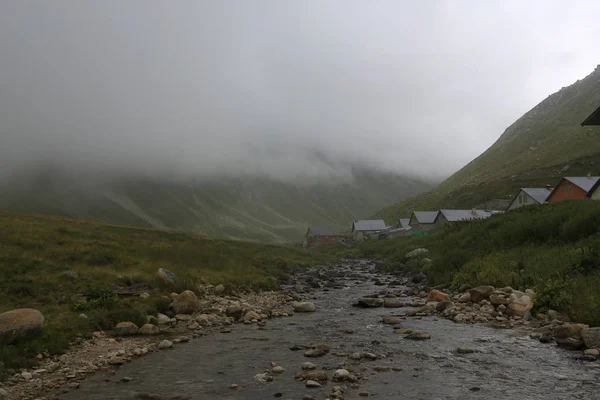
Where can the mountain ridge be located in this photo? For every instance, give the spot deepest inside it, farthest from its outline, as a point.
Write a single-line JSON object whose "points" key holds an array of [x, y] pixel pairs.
{"points": [[536, 150]]}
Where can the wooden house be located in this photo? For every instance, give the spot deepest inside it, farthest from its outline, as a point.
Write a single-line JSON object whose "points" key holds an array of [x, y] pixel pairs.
{"points": [[572, 188]]}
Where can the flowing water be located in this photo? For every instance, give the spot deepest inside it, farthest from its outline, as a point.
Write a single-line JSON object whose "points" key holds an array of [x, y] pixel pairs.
{"points": [[505, 364]]}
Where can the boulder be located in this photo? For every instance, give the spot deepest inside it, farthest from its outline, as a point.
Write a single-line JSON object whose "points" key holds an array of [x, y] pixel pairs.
{"points": [[312, 384], [308, 366], [520, 305], [149, 329], [443, 305], [480, 293], [341, 375], [369, 302], [437, 296], [16, 324], [496, 300], [304, 306], [186, 303], [464, 298], [420, 252], [250, 315], [165, 276], [591, 337], [126, 328], [235, 312], [165, 344], [3, 394], [571, 343]]}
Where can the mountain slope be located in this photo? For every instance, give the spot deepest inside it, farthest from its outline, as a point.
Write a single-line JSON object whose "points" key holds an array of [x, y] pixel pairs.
{"points": [[536, 150], [239, 208]]}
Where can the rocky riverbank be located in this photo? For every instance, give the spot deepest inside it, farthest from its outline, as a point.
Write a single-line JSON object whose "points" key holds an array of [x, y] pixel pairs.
{"points": [[190, 317]]}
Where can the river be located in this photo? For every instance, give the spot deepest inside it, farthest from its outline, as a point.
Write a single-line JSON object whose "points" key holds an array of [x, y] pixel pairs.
{"points": [[504, 364]]}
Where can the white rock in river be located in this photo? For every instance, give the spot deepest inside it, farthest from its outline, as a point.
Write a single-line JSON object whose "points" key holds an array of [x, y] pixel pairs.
{"points": [[312, 384], [307, 366], [165, 344], [278, 369], [341, 375]]}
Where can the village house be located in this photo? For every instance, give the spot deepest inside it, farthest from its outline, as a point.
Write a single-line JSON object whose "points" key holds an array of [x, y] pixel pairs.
{"points": [[594, 192], [403, 223], [572, 188], [593, 119], [364, 229], [402, 229], [529, 196], [422, 221], [445, 217], [317, 235]]}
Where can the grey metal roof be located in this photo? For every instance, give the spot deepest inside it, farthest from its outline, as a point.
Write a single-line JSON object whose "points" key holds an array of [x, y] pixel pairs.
{"points": [[584, 182], [464, 215], [425, 217], [538, 194], [369, 225], [324, 231], [404, 223]]}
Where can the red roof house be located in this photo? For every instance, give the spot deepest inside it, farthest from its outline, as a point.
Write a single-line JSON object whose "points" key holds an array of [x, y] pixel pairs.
{"points": [[572, 188]]}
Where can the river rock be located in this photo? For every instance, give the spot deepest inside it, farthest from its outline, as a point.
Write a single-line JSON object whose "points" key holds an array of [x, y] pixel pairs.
{"points": [[312, 384], [186, 303], [566, 331], [278, 369], [593, 353], [149, 330], [437, 296], [304, 306], [480, 293], [251, 315], [391, 320], [3, 394], [393, 302], [418, 335], [591, 337], [496, 299], [165, 344], [443, 305], [16, 324], [519, 305], [319, 376], [234, 311], [308, 366], [340, 375], [165, 276], [464, 298], [571, 343], [163, 319], [420, 252], [219, 289], [126, 328], [369, 302]]}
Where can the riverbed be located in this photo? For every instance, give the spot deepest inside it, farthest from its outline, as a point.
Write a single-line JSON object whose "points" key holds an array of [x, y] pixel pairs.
{"points": [[491, 363]]}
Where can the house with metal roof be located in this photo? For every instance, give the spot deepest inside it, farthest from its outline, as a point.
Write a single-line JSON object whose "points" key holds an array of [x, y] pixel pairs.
{"points": [[316, 235], [573, 188], [445, 217], [422, 221], [594, 192], [529, 196], [361, 229], [403, 223]]}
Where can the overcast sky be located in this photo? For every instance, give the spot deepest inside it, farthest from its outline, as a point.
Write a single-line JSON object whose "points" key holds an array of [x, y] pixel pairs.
{"points": [[204, 86]]}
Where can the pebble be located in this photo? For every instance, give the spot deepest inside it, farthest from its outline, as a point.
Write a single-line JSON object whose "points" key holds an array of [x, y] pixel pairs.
{"points": [[234, 386], [278, 369]]}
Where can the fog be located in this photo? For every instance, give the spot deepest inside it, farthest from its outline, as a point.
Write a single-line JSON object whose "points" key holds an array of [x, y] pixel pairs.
{"points": [[284, 89]]}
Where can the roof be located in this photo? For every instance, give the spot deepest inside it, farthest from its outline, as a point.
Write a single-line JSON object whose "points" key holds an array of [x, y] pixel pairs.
{"points": [[538, 194], [404, 223], [324, 231], [584, 182], [425, 217], [593, 189], [593, 119], [465, 215], [369, 225]]}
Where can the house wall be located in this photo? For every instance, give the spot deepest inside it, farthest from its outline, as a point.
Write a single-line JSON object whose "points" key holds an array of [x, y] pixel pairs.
{"points": [[596, 194], [567, 191], [522, 200], [416, 227]]}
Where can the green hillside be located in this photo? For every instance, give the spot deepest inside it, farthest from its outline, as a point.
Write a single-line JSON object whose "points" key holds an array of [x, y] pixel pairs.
{"points": [[36, 249], [243, 208], [540, 147]]}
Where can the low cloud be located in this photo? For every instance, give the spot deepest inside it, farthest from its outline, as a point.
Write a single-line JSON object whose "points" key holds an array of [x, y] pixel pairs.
{"points": [[287, 90]]}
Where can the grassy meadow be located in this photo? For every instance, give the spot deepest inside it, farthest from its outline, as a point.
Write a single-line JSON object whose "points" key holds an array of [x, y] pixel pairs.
{"points": [[554, 249], [36, 249]]}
